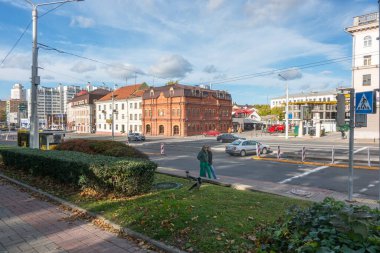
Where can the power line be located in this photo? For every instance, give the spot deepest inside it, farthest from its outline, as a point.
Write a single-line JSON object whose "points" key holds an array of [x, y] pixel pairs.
{"points": [[275, 71], [15, 44], [46, 47]]}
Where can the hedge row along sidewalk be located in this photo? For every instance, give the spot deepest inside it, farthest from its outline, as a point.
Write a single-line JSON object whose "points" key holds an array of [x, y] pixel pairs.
{"points": [[213, 219], [124, 175]]}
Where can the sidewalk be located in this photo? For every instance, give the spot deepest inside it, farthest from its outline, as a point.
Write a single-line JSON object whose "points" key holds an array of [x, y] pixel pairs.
{"points": [[30, 225], [287, 190]]}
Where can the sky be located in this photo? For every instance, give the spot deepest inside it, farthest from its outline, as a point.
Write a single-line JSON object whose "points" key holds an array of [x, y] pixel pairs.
{"points": [[240, 46]]}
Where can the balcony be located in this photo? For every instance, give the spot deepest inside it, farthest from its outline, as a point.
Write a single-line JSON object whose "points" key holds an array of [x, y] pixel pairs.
{"points": [[366, 19]]}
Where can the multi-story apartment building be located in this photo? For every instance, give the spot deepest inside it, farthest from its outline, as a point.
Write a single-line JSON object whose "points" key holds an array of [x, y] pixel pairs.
{"points": [[81, 111], [182, 110], [322, 105], [18, 92], [52, 100], [124, 105], [365, 65]]}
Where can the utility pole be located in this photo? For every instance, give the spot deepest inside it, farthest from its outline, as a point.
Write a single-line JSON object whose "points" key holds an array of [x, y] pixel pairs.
{"points": [[378, 18], [34, 136], [287, 108]]}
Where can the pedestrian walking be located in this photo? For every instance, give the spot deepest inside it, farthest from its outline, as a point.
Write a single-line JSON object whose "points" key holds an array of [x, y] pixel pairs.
{"points": [[203, 159], [212, 169]]}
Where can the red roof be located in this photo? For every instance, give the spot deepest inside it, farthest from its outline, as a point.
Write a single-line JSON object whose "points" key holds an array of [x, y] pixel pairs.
{"points": [[125, 92]]}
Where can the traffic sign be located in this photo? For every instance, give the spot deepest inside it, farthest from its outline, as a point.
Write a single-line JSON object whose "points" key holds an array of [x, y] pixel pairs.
{"points": [[365, 103], [361, 120]]}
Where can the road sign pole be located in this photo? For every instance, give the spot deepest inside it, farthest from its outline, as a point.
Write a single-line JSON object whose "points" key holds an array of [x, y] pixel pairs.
{"points": [[351, 145]]}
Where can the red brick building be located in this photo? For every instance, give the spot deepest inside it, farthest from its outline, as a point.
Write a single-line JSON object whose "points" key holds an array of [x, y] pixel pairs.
{"points": [[182, 110]]}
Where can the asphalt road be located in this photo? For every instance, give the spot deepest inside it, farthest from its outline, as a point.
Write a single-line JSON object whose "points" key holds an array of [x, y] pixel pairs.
{"points": [[181, 154]]}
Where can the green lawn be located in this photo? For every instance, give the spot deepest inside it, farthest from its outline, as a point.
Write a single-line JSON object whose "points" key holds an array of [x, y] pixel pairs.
{"points": [[213, 219]]}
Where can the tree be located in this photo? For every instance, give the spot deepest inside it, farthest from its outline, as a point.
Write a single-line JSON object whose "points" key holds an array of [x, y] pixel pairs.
{"points": [[171, 82], [263, 110], [279, 111]]}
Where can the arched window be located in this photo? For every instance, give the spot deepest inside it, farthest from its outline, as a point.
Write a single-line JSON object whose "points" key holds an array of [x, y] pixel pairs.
{"points": [[147, 129], [176, 130], [367, 41], [161, 129]]}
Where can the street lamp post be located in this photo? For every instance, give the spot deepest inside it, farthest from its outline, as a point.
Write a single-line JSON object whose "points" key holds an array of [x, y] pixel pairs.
{"points": [[286, 108], [34, 138], [113, 112]]}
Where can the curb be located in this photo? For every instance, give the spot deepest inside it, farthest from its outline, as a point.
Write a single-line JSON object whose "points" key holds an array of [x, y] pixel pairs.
{"points": [[127, 231], [315, 163]]}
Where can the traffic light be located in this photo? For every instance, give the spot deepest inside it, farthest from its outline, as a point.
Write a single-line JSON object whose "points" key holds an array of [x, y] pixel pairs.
{"points": [[340, 110]]}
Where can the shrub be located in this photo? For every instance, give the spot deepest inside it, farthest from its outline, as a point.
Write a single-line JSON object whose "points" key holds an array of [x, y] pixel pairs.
{"points": [[330, 226], [108, 148], [128, 176]]}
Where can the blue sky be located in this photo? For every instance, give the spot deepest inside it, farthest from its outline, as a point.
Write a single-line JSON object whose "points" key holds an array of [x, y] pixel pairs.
{"points": [[193, 41]]}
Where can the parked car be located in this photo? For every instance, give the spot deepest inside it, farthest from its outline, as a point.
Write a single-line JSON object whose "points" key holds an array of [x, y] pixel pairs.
{"points": [[220, 136], [244, 147], [276, 128], [230, 138], [211, 133], [136, 137]]}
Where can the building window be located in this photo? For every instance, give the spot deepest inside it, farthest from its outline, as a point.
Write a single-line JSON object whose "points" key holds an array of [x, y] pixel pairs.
{"points": [[140, 105], [110, 106], [131, 105], [117, 126], [122, 106], [100, 108], [147, 129], [367, 60], [104, 126], [161, 129], [123, 128], [367, 80], [110, 126], [151, 93], [367, 41], [135, 105], [100, 126], [130, 116], [140, 116], [116, 106], [135, 116], [176, 130], [100, 116]]}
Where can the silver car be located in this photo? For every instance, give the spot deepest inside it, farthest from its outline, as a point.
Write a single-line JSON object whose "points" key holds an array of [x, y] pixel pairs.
{"points": [[244, 147]]}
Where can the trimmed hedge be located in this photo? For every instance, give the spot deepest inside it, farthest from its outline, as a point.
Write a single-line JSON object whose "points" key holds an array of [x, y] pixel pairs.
{"points": [[127, 176], [107, 148]]}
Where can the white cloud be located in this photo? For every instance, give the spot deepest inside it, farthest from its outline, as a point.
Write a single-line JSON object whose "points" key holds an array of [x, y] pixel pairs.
{"points": [[81, 67], [122, 71], [210, 69], [82, 22], [47, 77], [214, 4], [18, 61], [173, 66], [290, 74]]}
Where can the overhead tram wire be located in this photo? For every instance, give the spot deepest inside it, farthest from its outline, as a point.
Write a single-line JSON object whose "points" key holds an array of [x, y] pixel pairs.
{"points": [[275, 71], [46, 47], [23, 33], [15, 44]]}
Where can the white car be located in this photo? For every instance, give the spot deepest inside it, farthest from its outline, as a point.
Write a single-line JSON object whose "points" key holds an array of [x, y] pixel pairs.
{"points": [[244, 147]]}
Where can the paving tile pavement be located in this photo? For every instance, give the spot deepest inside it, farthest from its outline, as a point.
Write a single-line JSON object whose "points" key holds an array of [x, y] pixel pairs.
{"points": [[30, 225]]}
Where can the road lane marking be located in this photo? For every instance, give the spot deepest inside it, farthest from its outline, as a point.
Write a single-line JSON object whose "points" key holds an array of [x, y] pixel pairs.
{"points": [[303, 174]]}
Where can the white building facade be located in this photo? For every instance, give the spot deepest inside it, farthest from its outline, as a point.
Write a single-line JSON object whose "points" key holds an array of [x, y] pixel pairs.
{"points": [[322, 104], [365, 65], [127, 111], [18, 92]]}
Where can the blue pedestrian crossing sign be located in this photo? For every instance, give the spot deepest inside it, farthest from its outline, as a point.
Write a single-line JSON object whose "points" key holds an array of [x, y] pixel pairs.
{"points": [[365, 102]]}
